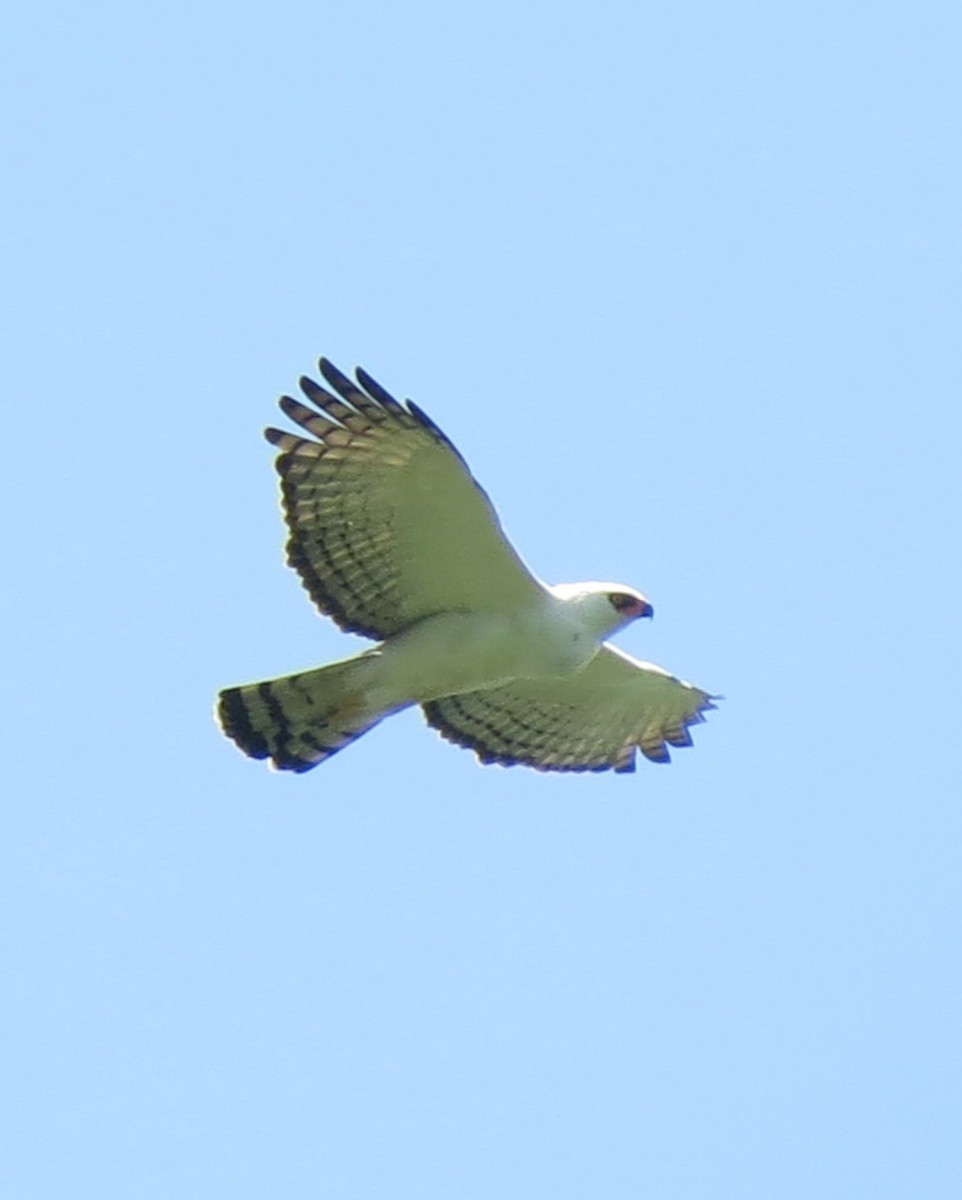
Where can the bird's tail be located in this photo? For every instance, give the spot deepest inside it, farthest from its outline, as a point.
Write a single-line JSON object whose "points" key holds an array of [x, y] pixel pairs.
{"points": [[300, 720]]}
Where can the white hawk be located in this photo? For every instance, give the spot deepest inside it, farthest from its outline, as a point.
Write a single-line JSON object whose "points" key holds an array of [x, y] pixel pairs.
{"points": [[395, 540]]}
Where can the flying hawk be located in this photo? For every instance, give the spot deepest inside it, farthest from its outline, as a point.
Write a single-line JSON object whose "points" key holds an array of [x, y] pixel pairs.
{"points": [[395, 540]]}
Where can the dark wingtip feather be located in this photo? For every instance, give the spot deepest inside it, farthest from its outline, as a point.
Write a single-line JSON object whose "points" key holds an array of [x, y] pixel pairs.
{"points": [[337, 379], [313, 391], [380, 394]]}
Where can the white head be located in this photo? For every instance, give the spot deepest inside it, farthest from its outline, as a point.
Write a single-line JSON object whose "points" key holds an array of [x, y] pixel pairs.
{"points": [[604, 607]]}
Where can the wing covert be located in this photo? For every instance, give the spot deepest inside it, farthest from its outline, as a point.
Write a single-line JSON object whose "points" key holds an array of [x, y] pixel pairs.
{"points": [[387, 524]]}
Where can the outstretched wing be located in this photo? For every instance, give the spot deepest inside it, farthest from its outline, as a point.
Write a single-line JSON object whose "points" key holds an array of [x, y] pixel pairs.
{"points": [[386, 523], [592, 721]]}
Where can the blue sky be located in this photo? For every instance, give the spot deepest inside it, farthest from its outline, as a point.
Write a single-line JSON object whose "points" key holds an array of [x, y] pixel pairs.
{"points": [[682, 283]]}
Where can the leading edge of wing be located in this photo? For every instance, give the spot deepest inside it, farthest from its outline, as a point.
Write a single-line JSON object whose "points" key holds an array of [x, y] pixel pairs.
{"points": [[611, 655]]}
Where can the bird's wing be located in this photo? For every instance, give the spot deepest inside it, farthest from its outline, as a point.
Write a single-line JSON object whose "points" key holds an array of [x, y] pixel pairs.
{"points": [[386, 523], [591, 721]]}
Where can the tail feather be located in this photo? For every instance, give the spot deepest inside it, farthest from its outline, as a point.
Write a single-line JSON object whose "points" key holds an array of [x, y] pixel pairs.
{"points": [[297, 721]]}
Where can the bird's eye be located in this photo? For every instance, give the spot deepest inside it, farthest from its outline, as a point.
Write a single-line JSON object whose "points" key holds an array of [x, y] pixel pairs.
{"points": [[630, 606], [622, 601]]}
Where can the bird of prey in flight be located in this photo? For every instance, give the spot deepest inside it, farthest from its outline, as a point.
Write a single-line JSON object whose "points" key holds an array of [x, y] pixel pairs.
{"points": [[394, 539]]}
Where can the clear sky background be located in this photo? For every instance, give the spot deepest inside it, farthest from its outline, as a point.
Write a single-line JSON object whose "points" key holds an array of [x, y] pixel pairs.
{"points": [[682, 282]]}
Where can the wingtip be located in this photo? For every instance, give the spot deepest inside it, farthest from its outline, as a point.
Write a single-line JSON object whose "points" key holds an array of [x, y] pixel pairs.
{"points": [[337, 379]]}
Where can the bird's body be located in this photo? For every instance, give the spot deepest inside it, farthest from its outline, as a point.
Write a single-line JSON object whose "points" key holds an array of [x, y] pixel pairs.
{"points": [[395, 540]]}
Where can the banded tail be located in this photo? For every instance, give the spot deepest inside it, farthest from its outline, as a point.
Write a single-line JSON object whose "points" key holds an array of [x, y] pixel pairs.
{"points": [[300, 720]]}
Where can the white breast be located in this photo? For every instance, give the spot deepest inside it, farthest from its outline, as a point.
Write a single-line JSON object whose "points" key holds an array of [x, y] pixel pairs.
{"points": [[467, 651]]}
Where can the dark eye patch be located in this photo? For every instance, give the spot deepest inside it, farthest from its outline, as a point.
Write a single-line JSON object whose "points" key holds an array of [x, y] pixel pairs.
{"points": [[622, 600]]}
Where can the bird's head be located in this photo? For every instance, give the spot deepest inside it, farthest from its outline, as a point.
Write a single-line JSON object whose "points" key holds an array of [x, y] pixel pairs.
{"points": [[604, 607]]}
